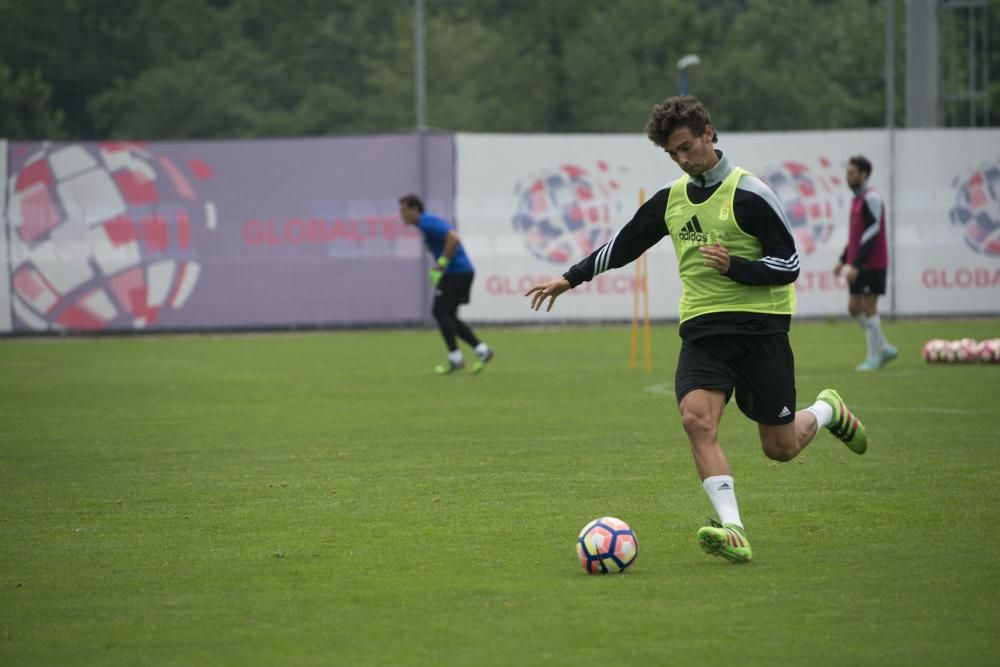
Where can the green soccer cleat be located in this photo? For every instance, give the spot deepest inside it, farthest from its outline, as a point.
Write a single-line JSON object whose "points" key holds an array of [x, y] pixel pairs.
{"points": [[481, 361], [727, 541], [887, 354], [448, 367], [844, 425]]}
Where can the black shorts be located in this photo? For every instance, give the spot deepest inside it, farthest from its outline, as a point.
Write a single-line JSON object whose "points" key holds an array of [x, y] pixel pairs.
{"points": [[871, 281], [761, 369], [453, 290]]}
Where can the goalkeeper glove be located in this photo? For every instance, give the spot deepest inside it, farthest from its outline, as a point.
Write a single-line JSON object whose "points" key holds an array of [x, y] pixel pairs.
{"points": [[436, 272]]}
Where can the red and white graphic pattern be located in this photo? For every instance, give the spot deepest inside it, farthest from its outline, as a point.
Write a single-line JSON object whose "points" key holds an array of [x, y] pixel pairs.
{"points": [[101, 234]]}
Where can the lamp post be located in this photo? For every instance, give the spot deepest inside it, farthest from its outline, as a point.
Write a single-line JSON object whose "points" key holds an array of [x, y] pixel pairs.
{"points": [[420, 67], [682, 65]]}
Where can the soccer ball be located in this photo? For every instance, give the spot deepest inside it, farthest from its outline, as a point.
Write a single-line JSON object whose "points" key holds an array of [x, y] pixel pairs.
{"points": [[952, 351], [963, 350], [606, 545], [988, 351], [934, 350]]}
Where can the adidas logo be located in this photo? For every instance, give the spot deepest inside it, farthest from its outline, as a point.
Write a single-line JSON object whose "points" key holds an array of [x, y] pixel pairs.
{"points": [[693, 232], [725, 486], [784, 412]]}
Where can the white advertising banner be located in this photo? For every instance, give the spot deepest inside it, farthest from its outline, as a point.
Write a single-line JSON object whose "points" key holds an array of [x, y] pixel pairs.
{"points": [[5, 316], [947, 244], [529, 206]]}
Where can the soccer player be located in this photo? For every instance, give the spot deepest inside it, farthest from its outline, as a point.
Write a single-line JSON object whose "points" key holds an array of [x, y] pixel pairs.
{"points": [[737, 262], [451, 276], [864, 262]]}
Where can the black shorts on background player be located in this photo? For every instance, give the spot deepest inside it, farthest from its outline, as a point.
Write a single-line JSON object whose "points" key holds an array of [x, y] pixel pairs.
{"points": [[453, 289], [871, 281]]}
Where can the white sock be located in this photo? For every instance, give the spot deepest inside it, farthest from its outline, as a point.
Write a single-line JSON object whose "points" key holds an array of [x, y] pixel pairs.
{"points": [[482, 348], [720, 491], [875, 321], [823, 413], [865, 323], [455, 357], [874, 336]]}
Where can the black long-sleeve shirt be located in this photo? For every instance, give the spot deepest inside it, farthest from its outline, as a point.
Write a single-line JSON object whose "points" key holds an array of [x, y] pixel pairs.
{"points": [[757, 211]]}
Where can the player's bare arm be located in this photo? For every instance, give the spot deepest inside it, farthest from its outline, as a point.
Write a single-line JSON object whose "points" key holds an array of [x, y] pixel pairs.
{"points": [[550, 290]]}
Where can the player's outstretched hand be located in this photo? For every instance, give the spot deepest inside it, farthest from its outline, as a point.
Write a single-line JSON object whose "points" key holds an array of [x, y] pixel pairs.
{"points": [[549, 290]]}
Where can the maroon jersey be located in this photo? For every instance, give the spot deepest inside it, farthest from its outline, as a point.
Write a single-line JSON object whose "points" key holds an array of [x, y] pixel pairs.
{"points": [[866, 240]]}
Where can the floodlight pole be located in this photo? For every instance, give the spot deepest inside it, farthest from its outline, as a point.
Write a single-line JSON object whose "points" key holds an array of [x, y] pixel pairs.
{"points": [[420, 68], [682, 65], [890, 126]]}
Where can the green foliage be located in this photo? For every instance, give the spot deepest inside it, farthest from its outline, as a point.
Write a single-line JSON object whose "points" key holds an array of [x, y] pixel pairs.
{"points": [[147, 69], [325, 499], [25, 101]]}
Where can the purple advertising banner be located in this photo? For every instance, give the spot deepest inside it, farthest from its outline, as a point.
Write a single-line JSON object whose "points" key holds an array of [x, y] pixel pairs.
{"points": [[221, 234]]}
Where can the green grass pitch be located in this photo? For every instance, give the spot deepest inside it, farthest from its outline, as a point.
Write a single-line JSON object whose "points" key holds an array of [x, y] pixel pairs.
{"points": [[324, 499]]}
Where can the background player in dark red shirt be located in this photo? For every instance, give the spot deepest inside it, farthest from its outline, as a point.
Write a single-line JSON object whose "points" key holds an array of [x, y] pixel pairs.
{"points": [[864, 262]]}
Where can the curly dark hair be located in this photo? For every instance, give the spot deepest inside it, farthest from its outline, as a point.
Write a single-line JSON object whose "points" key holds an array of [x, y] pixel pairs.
{"points": [[861, 163], [674, 112]]}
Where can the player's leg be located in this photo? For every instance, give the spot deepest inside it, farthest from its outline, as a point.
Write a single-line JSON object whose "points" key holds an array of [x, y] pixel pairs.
{"points": [[484, 353], [444, 309], [873, 331], [465, 333], [833, 413], [783, 442], [701, 410], [858, 306], [854, 306], [885, 351], [765, 392], [870, 285], [869, 304], [463, 288], [703, 386], [766, 388]]}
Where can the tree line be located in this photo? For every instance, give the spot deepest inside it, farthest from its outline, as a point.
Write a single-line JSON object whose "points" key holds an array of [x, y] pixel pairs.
{"points": [[185, 69]]}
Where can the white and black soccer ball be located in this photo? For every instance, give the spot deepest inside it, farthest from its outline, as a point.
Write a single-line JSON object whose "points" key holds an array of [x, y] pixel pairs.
{"points": [[961, 351], [606, 545], [934, 350], [988, 351]]}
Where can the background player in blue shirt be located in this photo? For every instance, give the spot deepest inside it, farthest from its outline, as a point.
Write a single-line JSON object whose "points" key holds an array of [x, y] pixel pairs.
{"points": [[452, 277]]}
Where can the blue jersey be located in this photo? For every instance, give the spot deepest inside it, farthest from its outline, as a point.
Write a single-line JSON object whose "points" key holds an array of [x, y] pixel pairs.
{"points": [[435, 230]]}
